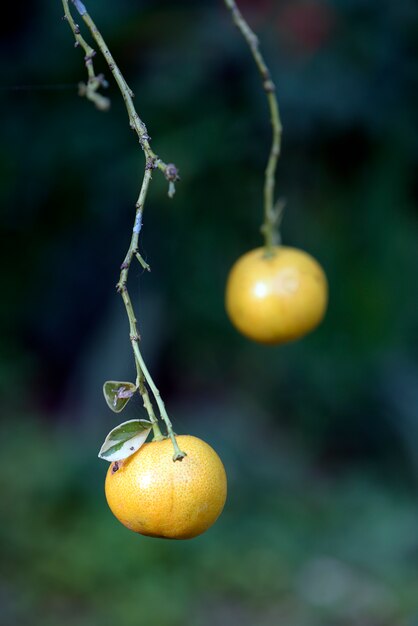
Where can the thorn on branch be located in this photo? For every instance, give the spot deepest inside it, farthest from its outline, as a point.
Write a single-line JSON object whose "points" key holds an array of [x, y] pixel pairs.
{"points": [[172, 175], [142, 261]]}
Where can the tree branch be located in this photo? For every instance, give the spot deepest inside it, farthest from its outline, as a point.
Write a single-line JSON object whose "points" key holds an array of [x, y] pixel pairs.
{"points": [[152, 161]]}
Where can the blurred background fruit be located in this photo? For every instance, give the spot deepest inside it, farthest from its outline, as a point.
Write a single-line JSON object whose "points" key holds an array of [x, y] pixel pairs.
{"points": [[276, 295]]}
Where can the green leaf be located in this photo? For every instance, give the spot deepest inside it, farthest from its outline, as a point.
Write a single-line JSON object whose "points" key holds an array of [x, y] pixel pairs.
{"points": [[124, 440], [117, 394]]}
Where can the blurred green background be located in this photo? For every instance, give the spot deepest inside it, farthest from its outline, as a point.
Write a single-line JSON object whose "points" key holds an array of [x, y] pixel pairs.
{"points": [[320, 437]]}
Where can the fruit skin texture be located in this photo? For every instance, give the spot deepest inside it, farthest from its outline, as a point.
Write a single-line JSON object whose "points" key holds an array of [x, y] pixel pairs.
{"points": [[278, 298], [153, 495]]}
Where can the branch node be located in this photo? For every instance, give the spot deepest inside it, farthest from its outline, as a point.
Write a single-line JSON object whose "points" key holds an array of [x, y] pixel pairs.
{"points": [[269, 86], [89, 56], [171, 173], [150, 163]]}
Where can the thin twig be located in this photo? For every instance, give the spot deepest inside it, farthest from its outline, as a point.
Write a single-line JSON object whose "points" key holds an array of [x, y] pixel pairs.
{"points": [[89, 89], [170, 171], [271, 217]]}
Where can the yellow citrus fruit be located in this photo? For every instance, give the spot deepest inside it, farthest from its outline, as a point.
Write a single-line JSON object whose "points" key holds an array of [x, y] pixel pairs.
{"points": [[153, 495], [276, 298]]}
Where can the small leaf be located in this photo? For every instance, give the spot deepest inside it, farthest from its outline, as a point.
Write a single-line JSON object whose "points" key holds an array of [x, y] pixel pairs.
{"points": [[117, 394], [124, 440]]}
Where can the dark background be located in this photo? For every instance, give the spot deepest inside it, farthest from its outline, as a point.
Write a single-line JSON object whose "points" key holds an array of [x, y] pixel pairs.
{"points": [[320, 437]]}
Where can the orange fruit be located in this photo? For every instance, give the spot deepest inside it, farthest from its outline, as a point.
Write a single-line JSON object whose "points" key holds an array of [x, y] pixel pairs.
{"points": [[276, 298], [153, 495]]}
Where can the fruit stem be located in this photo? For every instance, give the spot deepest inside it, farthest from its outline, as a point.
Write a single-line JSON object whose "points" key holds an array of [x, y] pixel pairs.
{"points": [[178, 454], [272, 213], [152, 161], [141, 368], [140, 382]]}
